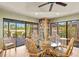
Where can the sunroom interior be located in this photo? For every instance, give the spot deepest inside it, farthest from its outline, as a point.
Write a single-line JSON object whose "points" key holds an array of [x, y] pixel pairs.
{"points": [[27, 30]]}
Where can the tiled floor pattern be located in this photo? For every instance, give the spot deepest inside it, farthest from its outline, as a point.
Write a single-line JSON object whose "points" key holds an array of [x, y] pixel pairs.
{"points": [[22, 52]]}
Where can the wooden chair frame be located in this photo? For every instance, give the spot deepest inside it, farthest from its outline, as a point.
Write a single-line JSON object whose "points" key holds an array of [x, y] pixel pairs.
{"points": [[68, 51], [32, 48]]}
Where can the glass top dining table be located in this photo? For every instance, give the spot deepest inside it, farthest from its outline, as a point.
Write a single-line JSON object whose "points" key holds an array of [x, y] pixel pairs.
{"points": [[54, 44], [51, 44]]}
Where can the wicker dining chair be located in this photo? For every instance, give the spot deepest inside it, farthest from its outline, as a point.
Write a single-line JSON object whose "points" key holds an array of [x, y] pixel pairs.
{"points": [[66, 53], [32, 48]]}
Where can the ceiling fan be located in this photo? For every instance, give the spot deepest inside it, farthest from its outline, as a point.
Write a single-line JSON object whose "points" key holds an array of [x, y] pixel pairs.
{"points": [[51, 4]]}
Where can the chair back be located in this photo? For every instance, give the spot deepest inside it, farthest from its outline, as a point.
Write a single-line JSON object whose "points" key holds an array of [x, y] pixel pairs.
{"points": [[31, 46], [70, 47], [7, 40]]}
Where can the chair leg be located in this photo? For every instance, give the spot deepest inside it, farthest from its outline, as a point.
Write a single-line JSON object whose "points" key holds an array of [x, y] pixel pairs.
{"points": [[1, 53], [15, 49], [5, 53]]}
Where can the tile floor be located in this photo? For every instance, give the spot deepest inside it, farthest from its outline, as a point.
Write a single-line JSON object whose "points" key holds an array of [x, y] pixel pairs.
{"points": [[22, 52]]}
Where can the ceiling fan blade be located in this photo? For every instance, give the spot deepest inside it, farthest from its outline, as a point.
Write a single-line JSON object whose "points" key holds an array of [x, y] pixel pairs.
{"points": [[61, 3], [43, 4], [51, 7]]}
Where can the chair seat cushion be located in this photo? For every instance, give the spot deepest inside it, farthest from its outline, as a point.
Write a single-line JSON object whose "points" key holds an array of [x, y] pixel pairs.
{"points": [[9, 44]]}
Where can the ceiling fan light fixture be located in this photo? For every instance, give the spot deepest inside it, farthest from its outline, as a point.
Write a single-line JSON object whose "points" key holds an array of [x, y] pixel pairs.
{"points": [[59, 3]]}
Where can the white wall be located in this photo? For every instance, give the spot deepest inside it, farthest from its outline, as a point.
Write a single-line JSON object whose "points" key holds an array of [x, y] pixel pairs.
{"points": [[1, 34], [66, 18], [13, 15]]}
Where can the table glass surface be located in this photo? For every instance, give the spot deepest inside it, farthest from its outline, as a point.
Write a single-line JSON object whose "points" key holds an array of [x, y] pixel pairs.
{"points": [[53, 44]]}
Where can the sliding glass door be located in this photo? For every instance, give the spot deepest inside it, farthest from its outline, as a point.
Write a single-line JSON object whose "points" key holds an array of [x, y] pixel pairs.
{"points": [[59, 32], [66, 30], [20, 33], [18, 30], [73, 31]]}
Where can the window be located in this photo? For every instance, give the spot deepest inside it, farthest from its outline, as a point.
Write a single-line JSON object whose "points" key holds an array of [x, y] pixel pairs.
{"points": [[29, 30], [62, 29], [20, 30], [54, 28], [12, 29], [35, 31]]}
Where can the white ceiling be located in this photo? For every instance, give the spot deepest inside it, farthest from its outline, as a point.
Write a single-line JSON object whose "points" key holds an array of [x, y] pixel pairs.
{"points": [[32, 9]]}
